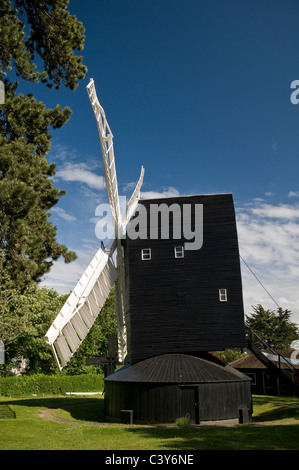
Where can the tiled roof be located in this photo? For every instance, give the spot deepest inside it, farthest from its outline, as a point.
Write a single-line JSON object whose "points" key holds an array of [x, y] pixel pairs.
{"points": [[252, 362], [247, 362]]}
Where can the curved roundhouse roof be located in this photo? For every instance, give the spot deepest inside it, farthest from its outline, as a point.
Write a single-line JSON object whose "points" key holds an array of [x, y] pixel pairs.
{"points": [[176, 368]]}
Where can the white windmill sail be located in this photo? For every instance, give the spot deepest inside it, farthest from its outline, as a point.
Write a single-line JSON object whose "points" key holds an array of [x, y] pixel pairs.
{"points": [[84, 304], [106, 139], [82, 307]]}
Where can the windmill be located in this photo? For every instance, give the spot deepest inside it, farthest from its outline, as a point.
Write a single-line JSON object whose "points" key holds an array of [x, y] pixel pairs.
{"points": [[85, 302], [174, 305]]}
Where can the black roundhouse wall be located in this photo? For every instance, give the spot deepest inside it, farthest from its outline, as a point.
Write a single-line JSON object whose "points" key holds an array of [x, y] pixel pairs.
{"points": [[158, 403]]}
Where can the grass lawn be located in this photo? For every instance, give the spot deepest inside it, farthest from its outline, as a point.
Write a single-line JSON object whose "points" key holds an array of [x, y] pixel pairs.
{"points": [[275, 427]]}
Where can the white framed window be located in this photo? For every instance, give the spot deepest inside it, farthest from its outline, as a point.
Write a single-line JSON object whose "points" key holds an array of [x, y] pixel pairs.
{"points": [[179, 251], [223, 295], [146, 254]]}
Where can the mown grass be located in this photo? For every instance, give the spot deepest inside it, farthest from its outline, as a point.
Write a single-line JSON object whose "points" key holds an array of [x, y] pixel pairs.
{"points": [[275, 427]]}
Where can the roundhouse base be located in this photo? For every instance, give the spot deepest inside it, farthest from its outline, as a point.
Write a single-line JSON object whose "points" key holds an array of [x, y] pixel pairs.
{"points": [[164, 388]]}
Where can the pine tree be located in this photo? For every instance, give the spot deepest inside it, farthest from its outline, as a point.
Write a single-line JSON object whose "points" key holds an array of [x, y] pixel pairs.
{"points": [[27, 237], [43, 31], [275, 328], [54, 37]]}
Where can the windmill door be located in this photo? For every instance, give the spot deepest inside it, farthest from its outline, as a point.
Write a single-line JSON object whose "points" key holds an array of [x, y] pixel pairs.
{"points": [[189, 406]]}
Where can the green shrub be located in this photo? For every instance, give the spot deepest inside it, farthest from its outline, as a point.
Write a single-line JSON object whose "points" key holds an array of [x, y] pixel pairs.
{"points": [[184, 421], [50, 384]]}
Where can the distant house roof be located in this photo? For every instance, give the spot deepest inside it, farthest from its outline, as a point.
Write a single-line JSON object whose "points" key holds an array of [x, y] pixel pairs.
{"points": [[252, 362], [247, 362]]}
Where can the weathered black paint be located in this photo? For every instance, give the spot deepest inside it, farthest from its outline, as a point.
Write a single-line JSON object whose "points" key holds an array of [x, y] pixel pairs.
{"points": [[174, 317], [173, 303], [167, 387]]}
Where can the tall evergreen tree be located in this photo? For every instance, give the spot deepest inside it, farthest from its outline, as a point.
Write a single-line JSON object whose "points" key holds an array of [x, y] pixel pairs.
{"points": [[54, 36], [45, 30], [41, 31], [273, 327]]}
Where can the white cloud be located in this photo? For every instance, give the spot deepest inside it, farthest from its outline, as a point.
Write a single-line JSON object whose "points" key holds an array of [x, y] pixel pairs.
{"points": [[64, 215], [63, 277], [293, 194], [129, 186], [269, 244], [274, 147], [78, 172], [62, 152], [281, 211], [167, 192]]}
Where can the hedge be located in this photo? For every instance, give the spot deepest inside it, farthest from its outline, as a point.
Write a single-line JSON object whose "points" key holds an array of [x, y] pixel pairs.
{"points": [[50, 384]]}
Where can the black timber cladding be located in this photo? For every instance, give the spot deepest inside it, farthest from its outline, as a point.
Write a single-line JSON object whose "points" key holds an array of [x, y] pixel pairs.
{"points": [[166, 387], [173, 303], [176, 368], [164, 403]]}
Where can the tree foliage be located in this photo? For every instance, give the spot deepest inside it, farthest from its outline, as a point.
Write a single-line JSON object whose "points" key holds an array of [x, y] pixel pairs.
{"points": [[96, 342], [27, 237], [42, 29], [40, 43], [26, 317], [230, 355], [46, 31], [24, 320], [275, 328]]}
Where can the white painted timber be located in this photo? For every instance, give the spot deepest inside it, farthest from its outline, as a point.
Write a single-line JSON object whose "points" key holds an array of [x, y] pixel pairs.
{"points": [[106, 140], [133, 202], [84, 304]]}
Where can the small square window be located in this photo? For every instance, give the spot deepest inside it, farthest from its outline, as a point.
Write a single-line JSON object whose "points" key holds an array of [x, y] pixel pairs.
{"points": [[179, 251], [146, 254], [223, 295]]}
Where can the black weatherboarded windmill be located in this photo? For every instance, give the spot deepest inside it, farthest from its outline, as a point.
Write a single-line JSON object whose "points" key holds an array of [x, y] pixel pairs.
{"points": [[178, 297]]}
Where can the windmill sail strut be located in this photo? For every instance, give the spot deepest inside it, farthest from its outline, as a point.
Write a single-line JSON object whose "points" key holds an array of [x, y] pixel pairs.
{"points": [[84, 304]]}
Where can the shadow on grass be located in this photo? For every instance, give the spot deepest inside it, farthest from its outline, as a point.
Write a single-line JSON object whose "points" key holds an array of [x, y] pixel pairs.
{"points": [[242, 437], [279, 412], [257, 436], [81, 408], [6, 412]]}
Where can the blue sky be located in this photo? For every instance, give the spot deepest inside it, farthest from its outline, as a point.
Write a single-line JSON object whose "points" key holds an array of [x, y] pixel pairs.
{"points": [[198, 92]]}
